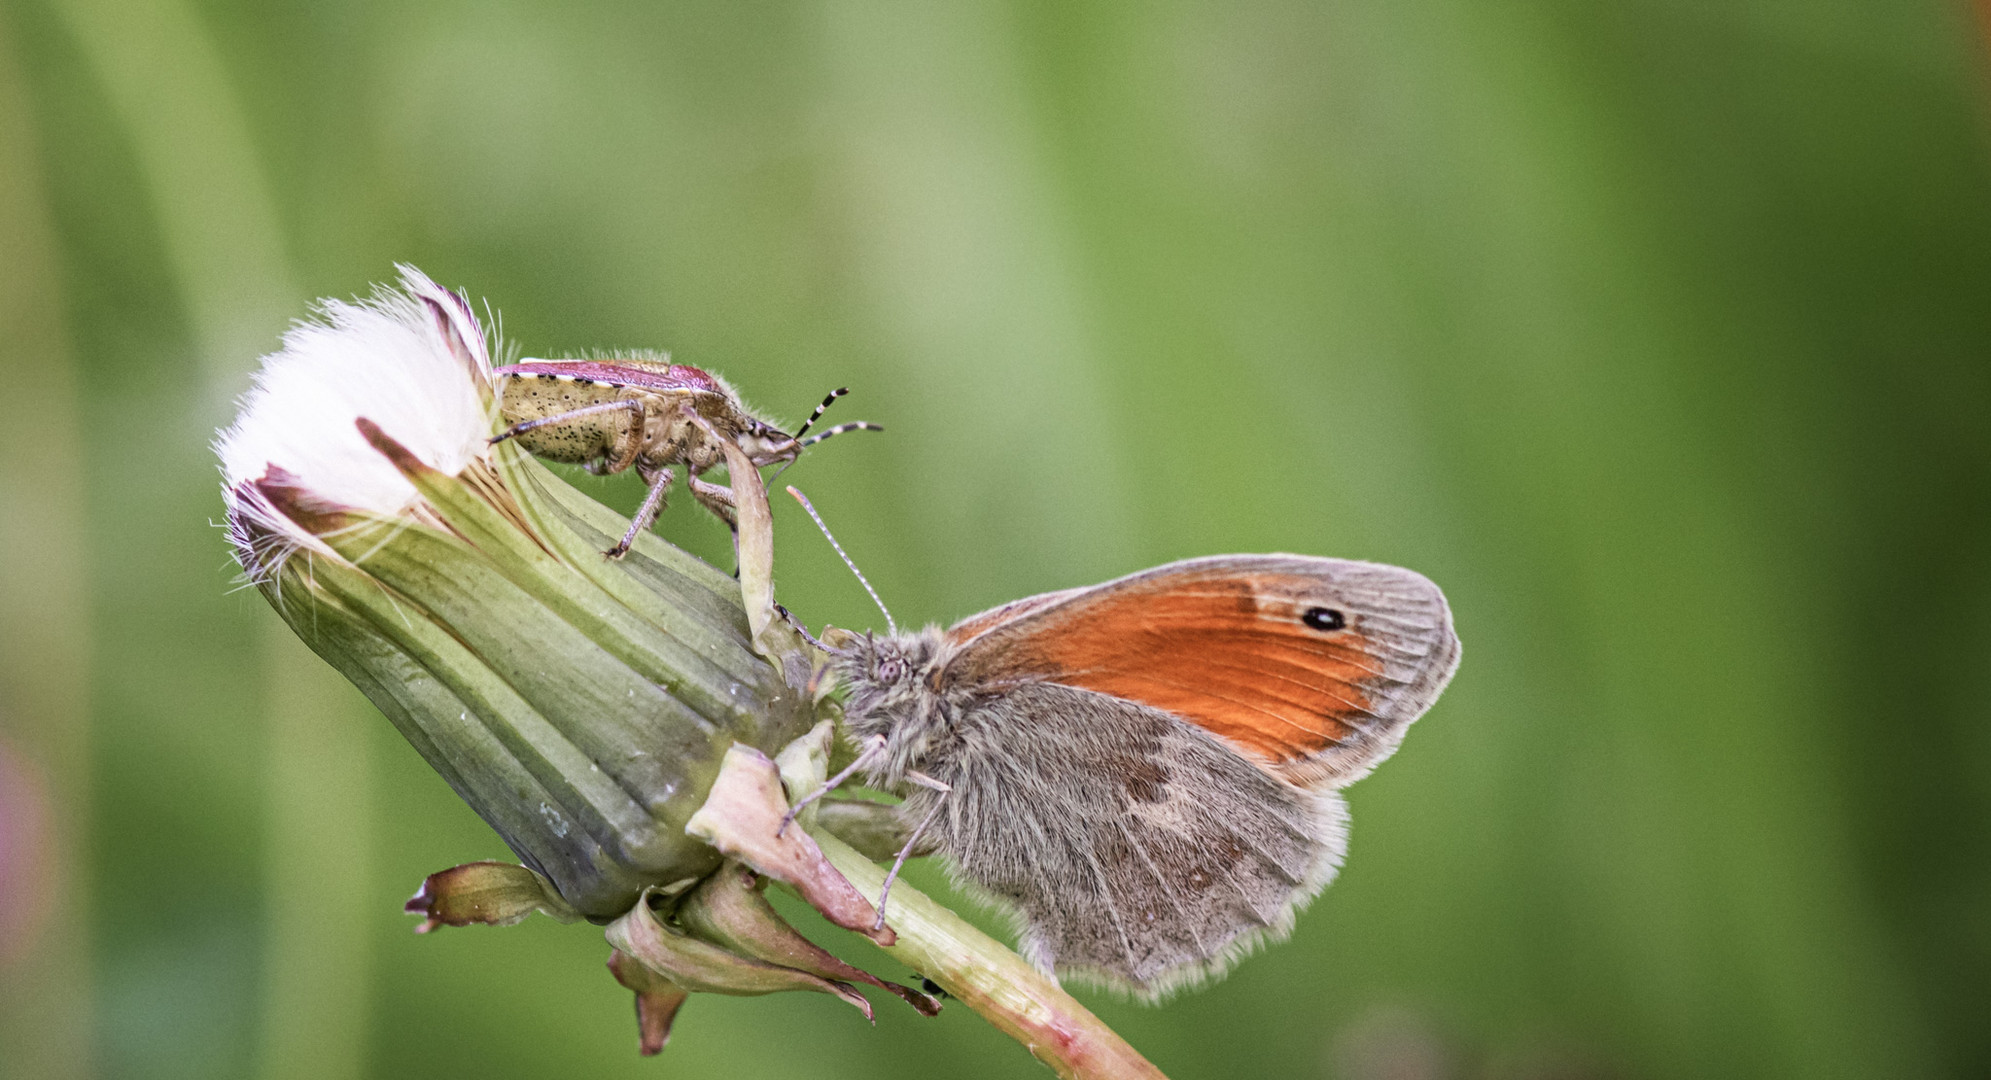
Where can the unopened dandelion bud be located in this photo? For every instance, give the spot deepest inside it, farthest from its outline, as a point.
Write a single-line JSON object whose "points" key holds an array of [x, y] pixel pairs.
{"points": [[582, 707]]}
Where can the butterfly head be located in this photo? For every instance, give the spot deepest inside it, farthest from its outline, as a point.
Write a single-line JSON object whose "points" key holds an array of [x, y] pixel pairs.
{"points": [[892, 693]]}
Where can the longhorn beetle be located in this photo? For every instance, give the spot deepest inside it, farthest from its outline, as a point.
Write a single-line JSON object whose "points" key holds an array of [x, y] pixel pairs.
{"points": [[607, 415]]}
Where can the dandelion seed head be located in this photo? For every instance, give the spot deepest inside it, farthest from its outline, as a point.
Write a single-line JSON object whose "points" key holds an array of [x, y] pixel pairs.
{"points": [[411, 359]]}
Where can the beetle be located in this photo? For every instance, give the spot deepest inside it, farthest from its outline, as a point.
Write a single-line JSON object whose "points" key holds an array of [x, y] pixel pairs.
{"points": [[610, 414]]}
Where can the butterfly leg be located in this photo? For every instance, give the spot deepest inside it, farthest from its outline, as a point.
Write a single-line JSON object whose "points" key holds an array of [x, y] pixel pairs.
{"points": [[900, 862], [872, 746], [928, 782], [646, 515]]}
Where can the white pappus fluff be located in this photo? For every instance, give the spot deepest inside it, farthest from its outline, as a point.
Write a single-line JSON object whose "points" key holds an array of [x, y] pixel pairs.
{"points": [[412, 360]]}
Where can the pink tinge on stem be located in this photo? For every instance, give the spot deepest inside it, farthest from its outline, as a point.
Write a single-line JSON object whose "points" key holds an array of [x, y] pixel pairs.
{"points": [[1021, 1001], [743, 818]]}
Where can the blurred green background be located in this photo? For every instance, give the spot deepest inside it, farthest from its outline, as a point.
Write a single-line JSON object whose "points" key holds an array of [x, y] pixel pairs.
{"points": [[1657, 332]]}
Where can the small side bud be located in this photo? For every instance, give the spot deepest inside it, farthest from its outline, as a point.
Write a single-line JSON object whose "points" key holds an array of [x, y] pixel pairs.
{"points": [[729, 909], [804, 765], [492, 893], [704, 968], [742, 818], [657, 1001]]}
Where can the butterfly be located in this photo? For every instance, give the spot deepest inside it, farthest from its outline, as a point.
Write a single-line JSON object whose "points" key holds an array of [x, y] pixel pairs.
{"points": [[1147, 772]]}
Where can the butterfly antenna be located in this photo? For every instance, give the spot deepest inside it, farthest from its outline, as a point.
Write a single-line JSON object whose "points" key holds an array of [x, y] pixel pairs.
{"points": [[861, 580]]}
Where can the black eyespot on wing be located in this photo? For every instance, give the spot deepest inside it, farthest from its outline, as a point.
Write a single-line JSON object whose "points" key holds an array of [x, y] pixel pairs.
{"points": [[1321, 618]]}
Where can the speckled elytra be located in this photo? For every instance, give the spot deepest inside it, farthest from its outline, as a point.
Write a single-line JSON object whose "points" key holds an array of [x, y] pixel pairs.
{"points": [[607, 415]]}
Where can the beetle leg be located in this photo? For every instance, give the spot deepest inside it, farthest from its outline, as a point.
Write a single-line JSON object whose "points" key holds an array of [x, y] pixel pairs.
{"points": [[630, 405], [623, 455], [717, 498], [646, 515]]}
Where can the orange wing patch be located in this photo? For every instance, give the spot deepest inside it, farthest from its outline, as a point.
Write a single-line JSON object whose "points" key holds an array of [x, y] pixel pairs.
{"points": [[975, 625], [1230, 651]]}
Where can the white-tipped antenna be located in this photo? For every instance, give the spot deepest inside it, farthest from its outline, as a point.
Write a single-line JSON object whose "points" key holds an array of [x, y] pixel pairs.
{"points": [[800, 442], [818, 519], [820, 409], [854, 425]]}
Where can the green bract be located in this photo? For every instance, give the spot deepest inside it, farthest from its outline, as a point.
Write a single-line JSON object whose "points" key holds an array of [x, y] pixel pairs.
{"points": [[580, 706]]}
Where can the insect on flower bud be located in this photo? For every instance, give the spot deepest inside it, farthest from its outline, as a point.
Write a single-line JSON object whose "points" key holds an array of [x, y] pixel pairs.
{"points": [[581, 707], [616, 720]]}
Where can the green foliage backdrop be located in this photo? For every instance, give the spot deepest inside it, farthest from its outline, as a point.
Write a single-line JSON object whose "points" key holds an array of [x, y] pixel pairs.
{"points": [[1655, 331]]}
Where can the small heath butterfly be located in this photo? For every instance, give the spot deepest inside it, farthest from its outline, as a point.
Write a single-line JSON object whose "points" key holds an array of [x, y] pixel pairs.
{"points": [[1147, 771]]}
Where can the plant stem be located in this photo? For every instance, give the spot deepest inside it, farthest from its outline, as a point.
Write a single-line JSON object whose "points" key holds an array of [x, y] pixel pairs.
{"points": [[987, 977]]}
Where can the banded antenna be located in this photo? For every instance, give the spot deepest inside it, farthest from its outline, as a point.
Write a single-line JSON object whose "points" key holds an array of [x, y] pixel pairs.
{"points": [[854, 425], [861, 580], [800, 442], [828, 399]]}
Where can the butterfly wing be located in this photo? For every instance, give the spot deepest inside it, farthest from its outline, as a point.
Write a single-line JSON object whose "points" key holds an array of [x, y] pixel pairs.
{"points": [[1138, 850], [1310, 667]]}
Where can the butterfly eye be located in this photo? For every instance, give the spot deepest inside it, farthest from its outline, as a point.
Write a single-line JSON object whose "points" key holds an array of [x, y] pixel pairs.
{"points": [[1321, 618]]}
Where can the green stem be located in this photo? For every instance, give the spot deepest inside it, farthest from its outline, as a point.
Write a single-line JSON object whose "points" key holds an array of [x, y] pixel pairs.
{"points": [[987, 977]]}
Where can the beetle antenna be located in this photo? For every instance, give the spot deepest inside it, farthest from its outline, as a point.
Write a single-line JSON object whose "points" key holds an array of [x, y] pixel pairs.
{"points": [[820, 409], [854, 425], [800, 442], [861, 580]]}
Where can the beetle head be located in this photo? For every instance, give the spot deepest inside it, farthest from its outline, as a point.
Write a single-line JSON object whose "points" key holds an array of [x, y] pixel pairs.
{"points": [[765, 444]]}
